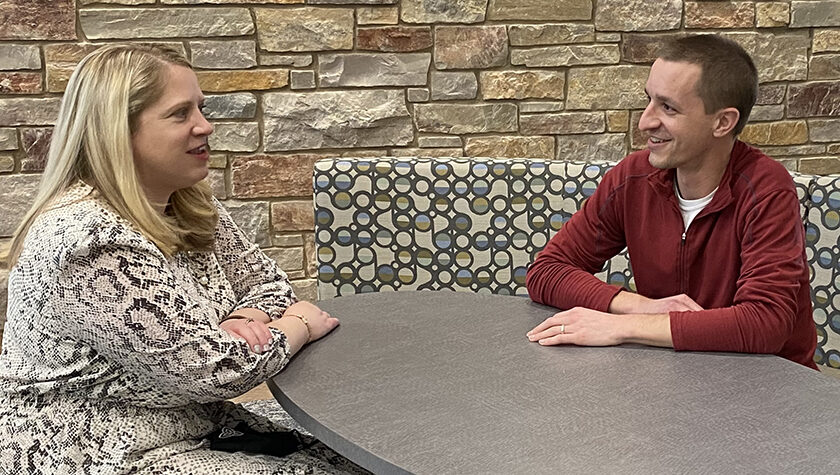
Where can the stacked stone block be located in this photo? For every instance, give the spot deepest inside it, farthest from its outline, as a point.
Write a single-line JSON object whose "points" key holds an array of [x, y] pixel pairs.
{"points": [[292, 81]]}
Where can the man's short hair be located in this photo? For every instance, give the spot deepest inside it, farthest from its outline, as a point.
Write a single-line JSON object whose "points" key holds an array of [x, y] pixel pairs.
{"points": [[728, 75]]}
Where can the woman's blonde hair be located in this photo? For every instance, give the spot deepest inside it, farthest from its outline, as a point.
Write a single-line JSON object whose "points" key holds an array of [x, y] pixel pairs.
{"points": [[91, 141]]}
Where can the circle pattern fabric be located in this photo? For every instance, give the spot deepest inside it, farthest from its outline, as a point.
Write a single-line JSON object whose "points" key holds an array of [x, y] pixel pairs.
{"points": [[822, 249], [460, 224]]}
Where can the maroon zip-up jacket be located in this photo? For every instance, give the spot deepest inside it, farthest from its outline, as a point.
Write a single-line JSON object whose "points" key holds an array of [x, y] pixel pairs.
{"points": [[742, 258]]}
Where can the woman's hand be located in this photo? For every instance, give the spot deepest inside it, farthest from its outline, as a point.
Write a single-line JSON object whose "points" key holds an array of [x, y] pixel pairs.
{"points": [[255, 332], [319, 322]]}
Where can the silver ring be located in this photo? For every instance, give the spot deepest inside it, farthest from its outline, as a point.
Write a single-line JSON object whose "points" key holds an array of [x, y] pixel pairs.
{"points": [[562, 328]]}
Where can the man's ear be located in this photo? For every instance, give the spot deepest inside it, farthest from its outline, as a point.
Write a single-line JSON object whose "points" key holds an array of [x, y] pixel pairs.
{"points": [[725, 121]]}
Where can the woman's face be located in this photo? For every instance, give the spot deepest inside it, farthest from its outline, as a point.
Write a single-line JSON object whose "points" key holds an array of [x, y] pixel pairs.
{"points": [[170, 141]]}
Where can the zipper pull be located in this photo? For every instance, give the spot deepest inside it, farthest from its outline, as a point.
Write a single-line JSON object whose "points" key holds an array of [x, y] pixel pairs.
{"points": [[683, 238]]}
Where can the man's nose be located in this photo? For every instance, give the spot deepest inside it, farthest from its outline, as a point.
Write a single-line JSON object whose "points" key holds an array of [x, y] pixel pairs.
{"points": [[648, 120]]}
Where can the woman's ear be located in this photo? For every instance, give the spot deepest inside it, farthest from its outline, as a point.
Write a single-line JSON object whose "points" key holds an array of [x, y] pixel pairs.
{"points": [[725, 121]]}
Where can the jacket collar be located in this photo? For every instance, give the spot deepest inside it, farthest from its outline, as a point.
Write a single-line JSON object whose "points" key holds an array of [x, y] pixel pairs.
{"points": [[663, 180]]}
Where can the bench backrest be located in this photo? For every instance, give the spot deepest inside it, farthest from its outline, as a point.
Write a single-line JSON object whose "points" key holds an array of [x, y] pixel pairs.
{"points": [[474, 224]]}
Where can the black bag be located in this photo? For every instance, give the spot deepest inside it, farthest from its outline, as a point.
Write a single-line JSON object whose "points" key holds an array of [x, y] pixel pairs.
{"points": [[244, 439]]}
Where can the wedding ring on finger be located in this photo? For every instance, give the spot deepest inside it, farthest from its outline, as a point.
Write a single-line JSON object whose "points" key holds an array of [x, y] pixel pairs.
{"points": [[562, 328]]}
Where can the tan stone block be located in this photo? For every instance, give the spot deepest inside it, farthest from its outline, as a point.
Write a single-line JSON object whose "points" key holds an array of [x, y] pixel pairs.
{"points": [[823, 66], [794, 150], [306, 289], [560, 56], [218, 160], [427, 152], [788, 132], [617, 121], [364, 153], [8, 138], [833, 148], [216, 179], [440, 141], [542, 10], [7, 163], [14, 57], [226, 81], [169, 22], [286, 240], [541, 106], [719, 14], [458, 119], [293, 216], [522, 84], [609, 87], [638, 139], [263, 176], [772, 14], [61, 59], [38, 20], [121, 2], [825, 41], [304, 28], [779, 56], [824, 130], [377, 15], [644, 47], [443, 11], [16, 192], [297, 61], [218, 2], [394, 38], [20, 83], [288, 259], [815, 13], [28, 111], [310, 261], [469, 47], [764, 113], [819, 165], [590, 147], [562, 123], [638, 15], [510, 147], [550, 34]]}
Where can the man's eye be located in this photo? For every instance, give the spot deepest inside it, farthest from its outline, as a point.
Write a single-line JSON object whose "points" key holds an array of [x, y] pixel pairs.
{"points": [[667, 108]]}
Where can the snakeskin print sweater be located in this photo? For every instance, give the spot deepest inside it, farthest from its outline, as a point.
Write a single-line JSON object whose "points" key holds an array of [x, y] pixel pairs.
{"points": [[113, 358]]}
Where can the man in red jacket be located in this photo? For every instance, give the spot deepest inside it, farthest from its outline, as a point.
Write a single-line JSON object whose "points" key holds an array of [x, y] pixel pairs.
{"points": [[712, 226]]}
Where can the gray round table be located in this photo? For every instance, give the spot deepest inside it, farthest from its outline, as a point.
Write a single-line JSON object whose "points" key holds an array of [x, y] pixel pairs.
{"points": [[446, 382]]}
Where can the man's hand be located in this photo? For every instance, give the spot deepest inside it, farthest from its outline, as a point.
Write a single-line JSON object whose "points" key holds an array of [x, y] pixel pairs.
{"points": [[578, 326], [586, 327], [628, 302], [255, 332]]}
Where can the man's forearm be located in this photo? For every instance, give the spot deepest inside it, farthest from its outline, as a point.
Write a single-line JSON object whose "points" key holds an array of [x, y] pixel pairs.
{"points": [[652, 330]]}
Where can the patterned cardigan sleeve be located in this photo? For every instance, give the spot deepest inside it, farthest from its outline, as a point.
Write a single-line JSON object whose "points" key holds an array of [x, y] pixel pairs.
{"points": [[256, 279], [115, 292]]}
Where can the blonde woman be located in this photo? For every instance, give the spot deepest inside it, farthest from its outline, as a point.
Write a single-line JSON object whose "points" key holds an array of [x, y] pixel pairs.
{"points": [[136, 306]]}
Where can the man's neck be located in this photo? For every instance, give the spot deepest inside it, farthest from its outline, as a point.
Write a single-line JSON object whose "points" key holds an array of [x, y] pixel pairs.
{"points": [[698, 181]]}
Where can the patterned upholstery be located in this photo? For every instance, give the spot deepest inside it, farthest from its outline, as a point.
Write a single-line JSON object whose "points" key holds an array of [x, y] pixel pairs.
{"points": [[822, 246], [474, 224], [460, 224]]}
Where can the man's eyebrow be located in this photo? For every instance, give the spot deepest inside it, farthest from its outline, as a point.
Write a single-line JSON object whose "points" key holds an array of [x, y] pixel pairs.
{"points": [[662, 98]]}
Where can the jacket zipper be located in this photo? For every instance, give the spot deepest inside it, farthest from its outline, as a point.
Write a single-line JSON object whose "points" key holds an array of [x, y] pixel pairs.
{"points": [[682, 269]]}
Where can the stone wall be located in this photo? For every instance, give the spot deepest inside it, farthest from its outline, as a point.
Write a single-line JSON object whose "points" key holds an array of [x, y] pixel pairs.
{"points": [[291, 81]]}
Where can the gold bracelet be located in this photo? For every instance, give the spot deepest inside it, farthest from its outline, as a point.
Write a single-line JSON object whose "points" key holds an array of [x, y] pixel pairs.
{"points": [[305, 322]]}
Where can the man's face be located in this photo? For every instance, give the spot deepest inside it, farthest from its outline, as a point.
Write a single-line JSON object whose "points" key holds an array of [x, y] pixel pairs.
{"points": [[675, 121]]}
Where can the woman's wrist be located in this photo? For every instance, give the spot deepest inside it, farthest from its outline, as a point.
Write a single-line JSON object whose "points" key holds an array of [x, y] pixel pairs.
{"points": [[248, 313], [302, 319]]}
